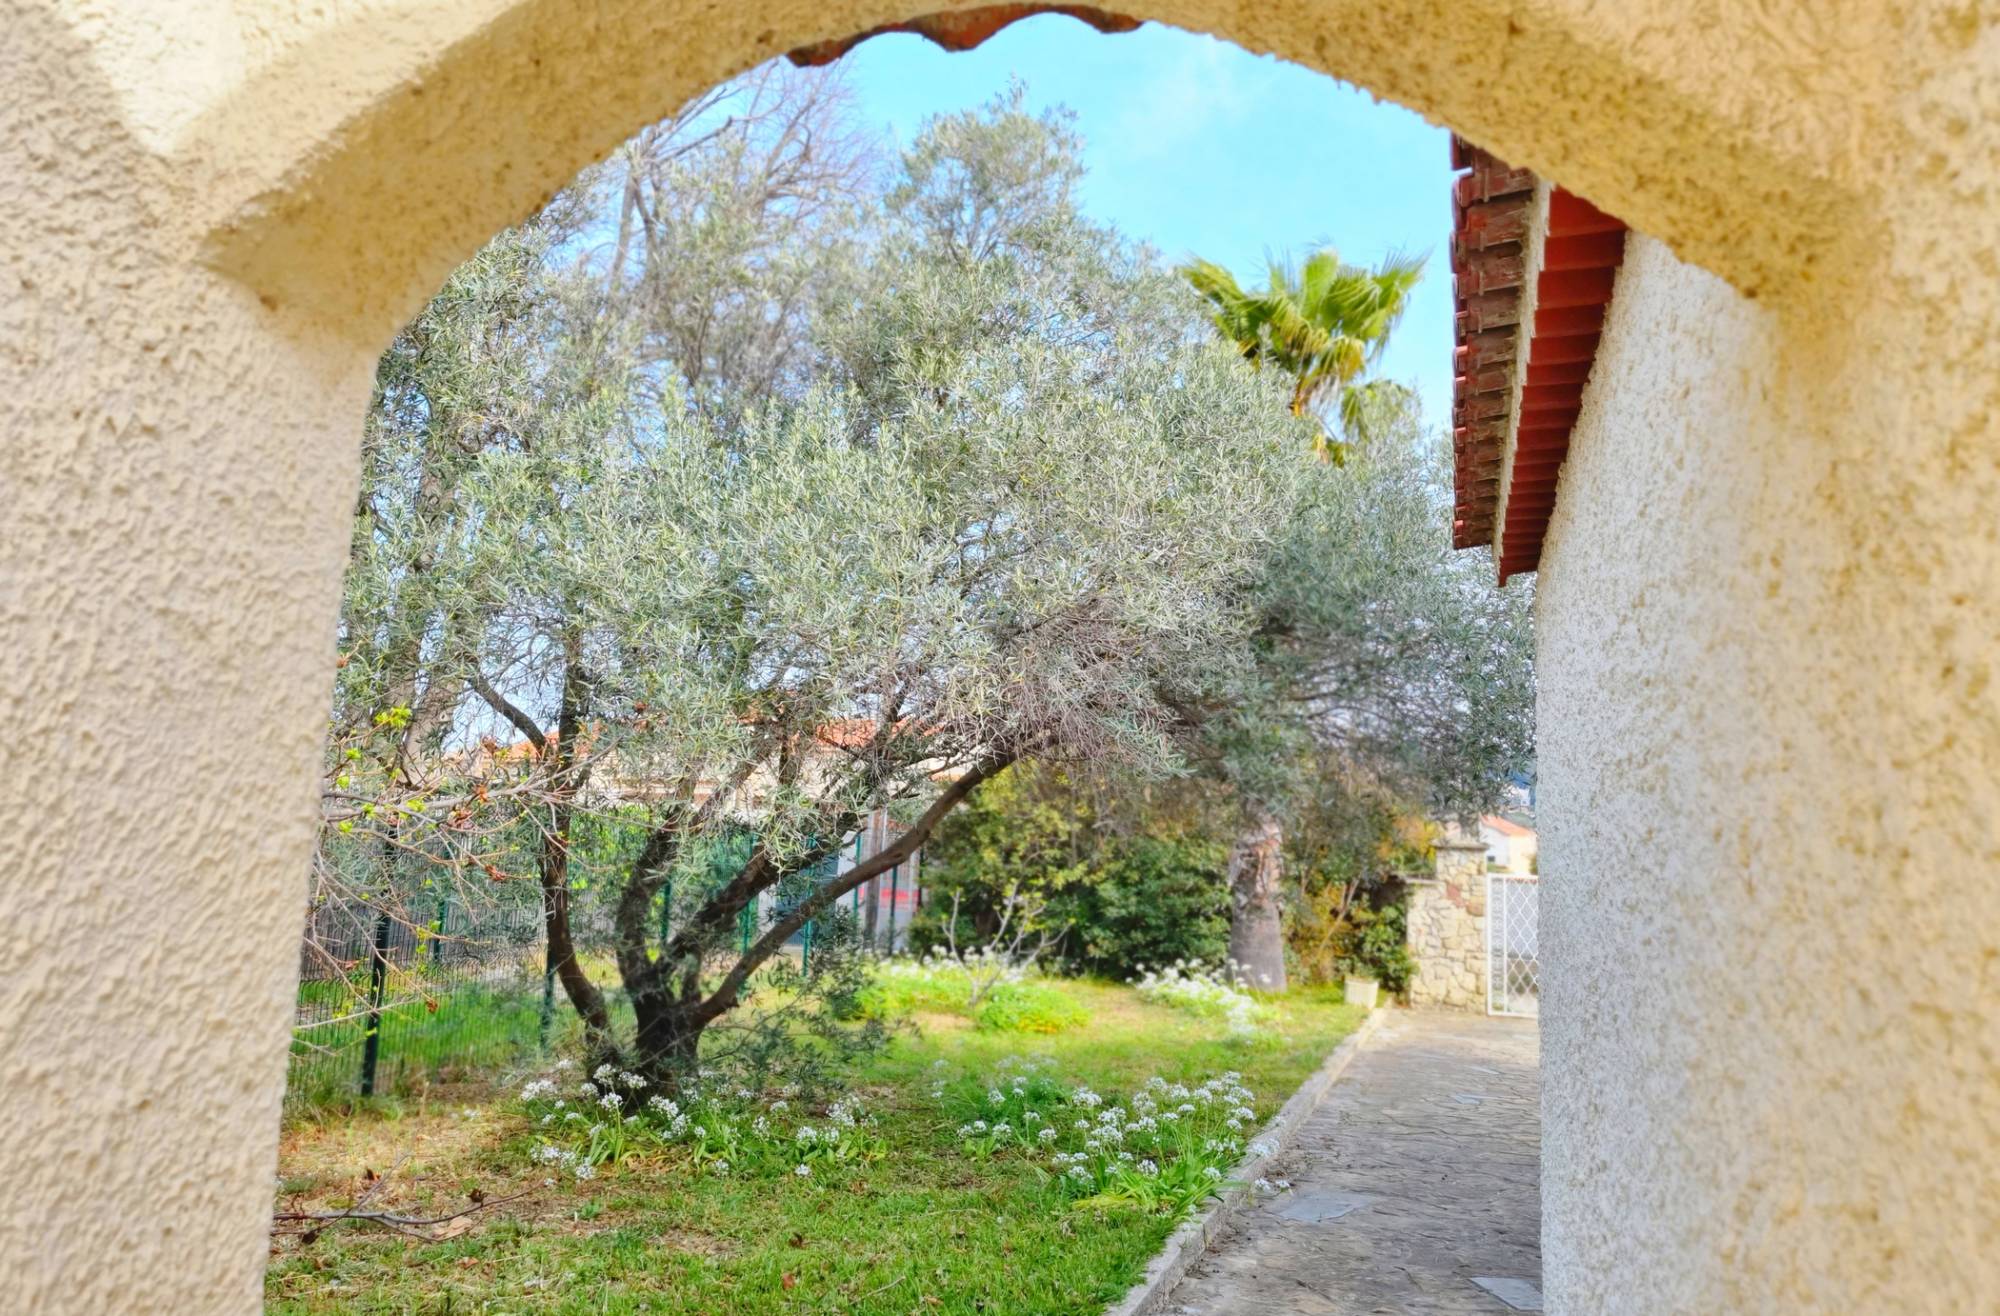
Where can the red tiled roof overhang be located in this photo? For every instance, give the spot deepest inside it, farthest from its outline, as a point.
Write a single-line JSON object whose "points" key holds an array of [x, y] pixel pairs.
{"points": [[1493, 207]]}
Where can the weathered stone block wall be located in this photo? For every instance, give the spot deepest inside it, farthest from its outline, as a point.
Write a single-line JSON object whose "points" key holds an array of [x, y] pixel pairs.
{"points": [[1447, 929]]}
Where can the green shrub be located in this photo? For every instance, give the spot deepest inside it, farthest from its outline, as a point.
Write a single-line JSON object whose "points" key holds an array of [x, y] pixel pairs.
{"points": [[898, 987], [1379, 947], [1029, 1007], [1153, 901]]}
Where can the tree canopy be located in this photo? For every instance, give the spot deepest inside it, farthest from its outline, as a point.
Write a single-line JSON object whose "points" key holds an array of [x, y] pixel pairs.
{"points": [[990, 497]]}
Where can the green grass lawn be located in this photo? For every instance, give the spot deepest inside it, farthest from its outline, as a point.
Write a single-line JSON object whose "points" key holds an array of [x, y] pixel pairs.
{"points": [[921, 1228]]}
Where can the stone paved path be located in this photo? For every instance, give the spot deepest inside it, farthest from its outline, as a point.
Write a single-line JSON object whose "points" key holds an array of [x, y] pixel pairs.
{"points": [[1416, 1176]]}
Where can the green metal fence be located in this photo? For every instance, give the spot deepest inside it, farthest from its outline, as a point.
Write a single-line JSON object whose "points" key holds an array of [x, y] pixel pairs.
{"points": [[406, 983], [387, 1002]]}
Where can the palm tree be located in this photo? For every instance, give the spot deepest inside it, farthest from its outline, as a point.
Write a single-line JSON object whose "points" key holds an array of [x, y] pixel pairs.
{"points": [[1323, 323]]}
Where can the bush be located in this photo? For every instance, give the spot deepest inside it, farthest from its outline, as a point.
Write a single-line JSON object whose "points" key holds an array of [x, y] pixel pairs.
{"points": [[897, 987], [1366, 943], [1029, 1007], [1379, 947], [1203, 991], [1126, 896], [1152, 901]]}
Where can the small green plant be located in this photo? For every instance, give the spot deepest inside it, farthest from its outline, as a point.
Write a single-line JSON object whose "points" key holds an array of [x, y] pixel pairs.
{"points": [[1161, 1150], [612, 1115], [1030, 1007], [995, 992]]}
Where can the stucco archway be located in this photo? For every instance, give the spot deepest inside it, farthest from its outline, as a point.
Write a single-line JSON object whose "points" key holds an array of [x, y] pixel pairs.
{"points": [[225, 206], [493, 106]]}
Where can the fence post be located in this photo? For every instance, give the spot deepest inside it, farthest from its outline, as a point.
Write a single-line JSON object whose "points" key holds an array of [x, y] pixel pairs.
{"points": [[371, 1042], [895, 876]]}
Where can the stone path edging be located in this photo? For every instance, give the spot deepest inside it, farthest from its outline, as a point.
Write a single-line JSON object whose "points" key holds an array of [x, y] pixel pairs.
{"points": [[1186, 1244]]}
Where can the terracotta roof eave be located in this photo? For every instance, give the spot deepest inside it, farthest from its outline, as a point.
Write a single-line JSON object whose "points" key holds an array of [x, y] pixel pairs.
{"points": [[1497, 501]]}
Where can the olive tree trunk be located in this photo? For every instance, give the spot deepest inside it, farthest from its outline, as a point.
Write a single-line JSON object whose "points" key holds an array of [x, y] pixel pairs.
{"points": [[1256, 930]]}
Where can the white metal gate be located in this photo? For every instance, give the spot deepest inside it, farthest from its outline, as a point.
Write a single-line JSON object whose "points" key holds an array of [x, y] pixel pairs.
{"points": [[1513, 970]]}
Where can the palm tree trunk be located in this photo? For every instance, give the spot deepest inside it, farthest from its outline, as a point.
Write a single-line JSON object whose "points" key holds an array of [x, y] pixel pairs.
{"points": [[1256, 928]]}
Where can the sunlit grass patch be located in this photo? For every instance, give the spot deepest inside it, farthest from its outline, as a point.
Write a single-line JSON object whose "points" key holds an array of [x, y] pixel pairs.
{"points": [[913, 1221]]}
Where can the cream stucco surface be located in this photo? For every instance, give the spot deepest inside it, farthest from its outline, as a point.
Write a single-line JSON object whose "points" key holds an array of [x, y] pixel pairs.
{"points": [[1770, 585], [1770, 758]]}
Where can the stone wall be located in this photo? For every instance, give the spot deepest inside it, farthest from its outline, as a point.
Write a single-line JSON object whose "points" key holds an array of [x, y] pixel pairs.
{"points": [[1447, 929]]}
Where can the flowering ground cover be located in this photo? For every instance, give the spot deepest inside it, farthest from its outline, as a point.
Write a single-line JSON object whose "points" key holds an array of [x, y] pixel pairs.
{"points": [[967, 1169]]}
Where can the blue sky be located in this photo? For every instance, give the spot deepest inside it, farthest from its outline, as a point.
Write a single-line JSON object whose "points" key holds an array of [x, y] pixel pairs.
{"points": [[1200, 148]]}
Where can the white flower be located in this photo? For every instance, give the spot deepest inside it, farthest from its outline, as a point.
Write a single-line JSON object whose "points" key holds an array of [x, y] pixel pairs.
{"points": [[1001, 1130], [1047, 1135], [549, 1118], [611, 1101], [1148, 1169], [806, 1133], [780, 1104], [602, 1073], [993, 1097], [1284, 1183], [632, 1080], [665, 1105], [1211, 1173], [722, 1167], [803, 1170], [569, 1115], [550, 1153], [565, 1064], [587, 1090], [584, 1170], [1263, 1186]]}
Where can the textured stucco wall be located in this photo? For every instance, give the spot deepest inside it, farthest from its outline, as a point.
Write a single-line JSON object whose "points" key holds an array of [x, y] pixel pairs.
{"points": [[219, 210], [1447, 929], [1770, 763]]}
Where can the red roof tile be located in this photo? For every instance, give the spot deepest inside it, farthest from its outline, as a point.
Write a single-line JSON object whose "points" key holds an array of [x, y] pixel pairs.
{"points": [[1492, 211]]}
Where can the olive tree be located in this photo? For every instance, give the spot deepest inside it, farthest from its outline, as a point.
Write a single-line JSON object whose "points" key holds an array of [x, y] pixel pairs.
{"points": [[1383, 659], [1003, 499]]}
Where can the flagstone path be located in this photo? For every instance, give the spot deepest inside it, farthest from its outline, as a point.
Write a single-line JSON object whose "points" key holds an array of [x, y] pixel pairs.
{"points": [[1415, 1187]]}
